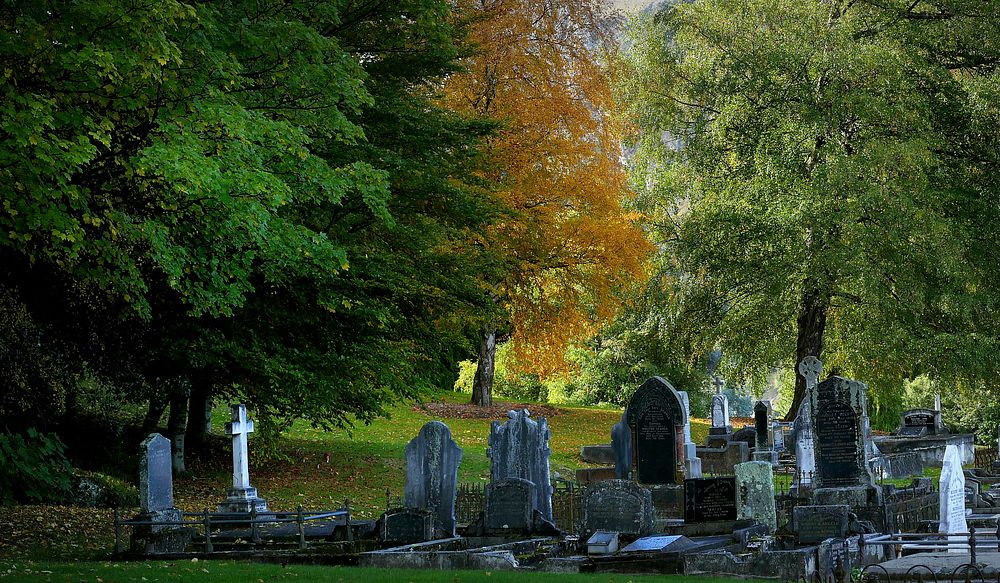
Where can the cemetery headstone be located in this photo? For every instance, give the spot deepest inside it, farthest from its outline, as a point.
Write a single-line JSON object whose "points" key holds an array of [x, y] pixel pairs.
{"points": [[710, 499], [156, 484], [763, 451], [815, 524], [621, 446], [805, 450], [509, 505], [242, 496], [692, 465], [720, 413], [755, 493], [996, 464], [432, 460], [952, 499], [655, 420], [839, 414], [519, 448], [618, 506], [407, 525], [920, 422]]}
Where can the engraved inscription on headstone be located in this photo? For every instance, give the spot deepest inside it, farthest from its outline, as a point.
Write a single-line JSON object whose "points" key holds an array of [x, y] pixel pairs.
{"points": [[837, 445], [407, 525], [508, 505], [710, 499], [619, 506], [655, 416], [814, 524]]}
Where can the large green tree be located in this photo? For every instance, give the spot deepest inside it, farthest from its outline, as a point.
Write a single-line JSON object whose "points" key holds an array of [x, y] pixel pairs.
{"points": [[821, 178], [252, 200]]}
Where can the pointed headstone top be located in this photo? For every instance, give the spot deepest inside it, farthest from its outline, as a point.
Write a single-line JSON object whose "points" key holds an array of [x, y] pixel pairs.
{"points": [[810, 368]]}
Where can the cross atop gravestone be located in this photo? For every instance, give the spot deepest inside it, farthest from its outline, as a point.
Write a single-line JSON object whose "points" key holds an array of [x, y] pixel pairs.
{"points": [[432, 459], [519, 448], [718, 383], [242, 496], [810, 368]]}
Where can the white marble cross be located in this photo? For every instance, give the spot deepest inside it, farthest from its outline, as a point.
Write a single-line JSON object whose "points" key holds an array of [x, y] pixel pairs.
{"points": [[240, 428], [810, 368]]}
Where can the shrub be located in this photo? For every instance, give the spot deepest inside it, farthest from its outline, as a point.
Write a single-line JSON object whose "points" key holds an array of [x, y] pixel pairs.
{"points": [[96, 490], [33, 468]]}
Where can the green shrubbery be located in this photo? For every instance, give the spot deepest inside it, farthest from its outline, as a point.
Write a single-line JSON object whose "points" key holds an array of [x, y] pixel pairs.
{"points": [[33, 468]]}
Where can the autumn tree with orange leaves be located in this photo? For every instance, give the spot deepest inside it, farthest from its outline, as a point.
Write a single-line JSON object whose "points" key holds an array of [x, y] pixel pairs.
{"points": [[540, 70]]}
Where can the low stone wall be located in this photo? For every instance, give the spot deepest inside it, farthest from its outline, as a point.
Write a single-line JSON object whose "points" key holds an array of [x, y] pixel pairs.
{"points": [[929, 449]]}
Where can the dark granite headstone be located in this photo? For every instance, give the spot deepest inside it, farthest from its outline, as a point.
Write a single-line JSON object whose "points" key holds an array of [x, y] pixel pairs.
{"points": [[655, 416], [761, 424], [619, 506], [509, 505], [432, 459], [519, 448], [156, 485], [407, 525], [838, 459], [710, 499], [814, 524], [920, 422]]}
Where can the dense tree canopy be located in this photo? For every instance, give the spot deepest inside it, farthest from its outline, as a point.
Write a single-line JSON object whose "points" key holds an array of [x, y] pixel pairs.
{"points": [[262, 201], [822, 177]]}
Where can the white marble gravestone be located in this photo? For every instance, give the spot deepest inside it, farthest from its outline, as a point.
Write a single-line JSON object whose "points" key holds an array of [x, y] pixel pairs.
{"points": [[952, 500], [805, 451], [242, 496]]}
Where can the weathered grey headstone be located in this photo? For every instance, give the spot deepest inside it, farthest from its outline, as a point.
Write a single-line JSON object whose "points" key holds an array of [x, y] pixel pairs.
{"points": [[692, 465], [655, 420], [720, 412], [156, 485], [519, 448], [952, 499], [814, 524], [805, 448], [242, 497], [407, 525], [755, 493], [710, 500], [432, 459], [509, 505], [619, 506], [621, 445]]}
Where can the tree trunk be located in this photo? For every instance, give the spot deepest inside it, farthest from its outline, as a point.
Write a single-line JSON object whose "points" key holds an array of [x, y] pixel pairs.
{"points": [[157, 405], [482, 384], [177, 426], [199, 416], [809, 341]]}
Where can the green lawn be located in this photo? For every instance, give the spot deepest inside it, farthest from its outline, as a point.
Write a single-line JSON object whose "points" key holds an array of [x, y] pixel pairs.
{"points": [[245, 572]]}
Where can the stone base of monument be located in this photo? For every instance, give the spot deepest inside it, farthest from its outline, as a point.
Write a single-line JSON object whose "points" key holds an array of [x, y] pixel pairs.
{"points": [[854, 496], [242, 500], [692, 468], [721, 460], [930, 448], [160, 539], [668, 499], [602, 454]]}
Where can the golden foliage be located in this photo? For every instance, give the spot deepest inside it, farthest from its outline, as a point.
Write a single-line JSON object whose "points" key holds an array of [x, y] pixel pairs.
{"points": [[541, 70]]}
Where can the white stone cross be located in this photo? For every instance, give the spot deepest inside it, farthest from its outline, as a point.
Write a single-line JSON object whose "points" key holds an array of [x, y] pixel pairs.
{"points": [[718, 383], [810, 368], [240, 428]]}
